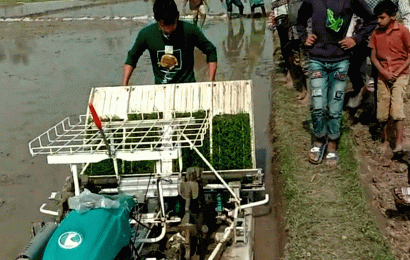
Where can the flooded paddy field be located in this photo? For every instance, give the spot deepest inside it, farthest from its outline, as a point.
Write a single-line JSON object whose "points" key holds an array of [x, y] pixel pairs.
{"points": [[48, 69]]}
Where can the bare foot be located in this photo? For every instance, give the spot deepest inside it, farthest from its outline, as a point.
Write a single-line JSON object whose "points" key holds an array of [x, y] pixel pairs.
{"points": [[301, 96], [303, 102], [288, 81]]}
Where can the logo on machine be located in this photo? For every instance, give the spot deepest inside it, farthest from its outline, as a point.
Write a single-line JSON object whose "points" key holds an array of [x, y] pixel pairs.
{"points": [[70, 240]]}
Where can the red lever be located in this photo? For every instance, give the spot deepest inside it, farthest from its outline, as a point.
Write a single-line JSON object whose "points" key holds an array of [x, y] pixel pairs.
{"points": [[97, 120]]}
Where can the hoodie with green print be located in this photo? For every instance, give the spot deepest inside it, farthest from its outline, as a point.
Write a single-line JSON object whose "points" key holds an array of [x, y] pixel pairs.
{"points": [[330, 22]]}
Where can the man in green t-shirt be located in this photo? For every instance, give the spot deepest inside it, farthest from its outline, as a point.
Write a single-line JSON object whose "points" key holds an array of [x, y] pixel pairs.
{"points": [[171, 44]]}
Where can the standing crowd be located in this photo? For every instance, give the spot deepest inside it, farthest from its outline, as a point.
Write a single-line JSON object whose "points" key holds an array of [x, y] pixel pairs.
{"points": [[326, 43]]}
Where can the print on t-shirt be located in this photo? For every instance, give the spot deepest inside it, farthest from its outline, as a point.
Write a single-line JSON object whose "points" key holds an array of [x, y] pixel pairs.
{"points": [[169, 63]]}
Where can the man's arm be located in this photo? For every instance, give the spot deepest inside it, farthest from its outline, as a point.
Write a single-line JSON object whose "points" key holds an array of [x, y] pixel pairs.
{"points": [[127, 72], [305, 12], [385, 73], [361, 9], [406, 41], [212, 70], [133, 56], [405, 65], [209, 50]]}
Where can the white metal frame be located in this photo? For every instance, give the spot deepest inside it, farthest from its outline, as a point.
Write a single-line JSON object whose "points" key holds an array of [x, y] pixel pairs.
{"points": [[142, 137]]}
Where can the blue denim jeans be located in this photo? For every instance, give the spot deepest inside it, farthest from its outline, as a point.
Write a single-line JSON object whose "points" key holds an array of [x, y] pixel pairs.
{"points": [[328, 86]]}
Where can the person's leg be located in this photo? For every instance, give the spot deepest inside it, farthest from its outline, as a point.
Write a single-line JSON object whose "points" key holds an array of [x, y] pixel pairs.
{"points": [[398, 91], [239, 4], [385, 135], [357, 63], [335, 99], [299, 77], [278, 60], [399, 136], [357, 74], [283, 29], [196, 16], [319, 83], [229, 8], [263, 10], [252, 11], [382, 112], [202, 14]]}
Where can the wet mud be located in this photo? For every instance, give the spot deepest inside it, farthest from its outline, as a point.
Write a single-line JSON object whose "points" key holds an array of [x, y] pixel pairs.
{"points": [[48, 69]]}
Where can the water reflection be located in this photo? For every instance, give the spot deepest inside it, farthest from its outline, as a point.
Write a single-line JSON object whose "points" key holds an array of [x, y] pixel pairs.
{"points": [[232, 46], [3, 55], [113, 42], [20, 53], [255, 42]]}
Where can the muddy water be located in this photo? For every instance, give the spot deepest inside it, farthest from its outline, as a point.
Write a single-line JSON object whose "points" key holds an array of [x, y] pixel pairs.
{"points": [[139, 7], [48, 77]]}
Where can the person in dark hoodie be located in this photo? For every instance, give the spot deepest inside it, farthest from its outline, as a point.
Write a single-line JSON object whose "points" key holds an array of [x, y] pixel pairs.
{"points": [[329, 51]]}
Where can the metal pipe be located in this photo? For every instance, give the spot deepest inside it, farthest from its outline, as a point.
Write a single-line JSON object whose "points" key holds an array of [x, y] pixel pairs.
{"points": [[228, 231], [84, 168], [257, 203], [46, 211], [114, 160], [75, 179], [161, 196], [212, 168], [155, 239], [38, 243], [218, 247], [148, 233]]}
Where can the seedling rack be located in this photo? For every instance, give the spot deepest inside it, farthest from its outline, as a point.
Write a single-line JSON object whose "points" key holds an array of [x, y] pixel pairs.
{"points": [[156, 123]]}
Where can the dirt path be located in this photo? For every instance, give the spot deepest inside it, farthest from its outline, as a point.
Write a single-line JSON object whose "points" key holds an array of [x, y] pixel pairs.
{"points": [[380, 174]]}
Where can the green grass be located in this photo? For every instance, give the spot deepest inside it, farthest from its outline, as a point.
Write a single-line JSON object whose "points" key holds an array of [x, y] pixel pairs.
{"points": [[327, 212]]}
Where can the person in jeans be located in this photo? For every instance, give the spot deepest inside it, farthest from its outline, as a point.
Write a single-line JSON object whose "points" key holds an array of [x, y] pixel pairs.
{"points": [[238, 3], [390, 45], [329, 51]]}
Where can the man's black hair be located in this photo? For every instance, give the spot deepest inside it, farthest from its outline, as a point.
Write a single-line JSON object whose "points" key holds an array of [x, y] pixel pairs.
{"points": [[166, 10], [386, 6]]}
